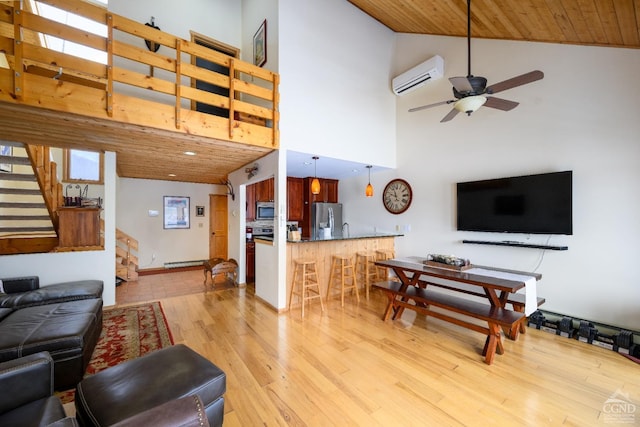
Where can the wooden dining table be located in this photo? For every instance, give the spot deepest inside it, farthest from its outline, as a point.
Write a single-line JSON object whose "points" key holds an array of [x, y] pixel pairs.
{"points": [[413, 272]]}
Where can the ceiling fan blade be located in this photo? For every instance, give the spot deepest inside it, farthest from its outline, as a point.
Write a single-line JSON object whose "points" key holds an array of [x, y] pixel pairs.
{"points": [[500, 104], [449, 116], [461, 84], [516, 81], [424, 107]]}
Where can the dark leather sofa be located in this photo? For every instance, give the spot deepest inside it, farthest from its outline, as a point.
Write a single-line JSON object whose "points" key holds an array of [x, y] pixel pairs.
{"points": [[64, 319], [28, 400]]}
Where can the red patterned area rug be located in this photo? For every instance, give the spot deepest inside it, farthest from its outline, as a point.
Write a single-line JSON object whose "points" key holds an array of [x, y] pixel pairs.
{"points": [[127, 333]]}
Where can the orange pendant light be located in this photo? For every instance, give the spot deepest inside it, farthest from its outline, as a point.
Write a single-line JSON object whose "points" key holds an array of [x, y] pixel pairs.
{"points": [[369, 190], [315, 184]]}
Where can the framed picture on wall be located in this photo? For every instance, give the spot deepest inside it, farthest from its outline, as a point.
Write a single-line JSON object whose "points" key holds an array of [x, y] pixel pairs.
{"points": [[5, 150], [260, 45], [176, 212], [199, 210]]}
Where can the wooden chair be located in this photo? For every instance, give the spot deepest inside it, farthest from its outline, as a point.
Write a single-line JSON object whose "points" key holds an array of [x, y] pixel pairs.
{"points": [[305, 277], [342, 275], [381, 255], [366, 270]]}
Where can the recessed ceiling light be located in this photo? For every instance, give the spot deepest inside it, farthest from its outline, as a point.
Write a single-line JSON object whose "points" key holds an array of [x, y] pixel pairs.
{"points": [[189, 153], [354, 170], [172, 174], [307, 163]]}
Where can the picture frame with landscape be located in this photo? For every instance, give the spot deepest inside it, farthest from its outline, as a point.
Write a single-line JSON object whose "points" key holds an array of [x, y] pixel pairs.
{"points": [[260, 45]]}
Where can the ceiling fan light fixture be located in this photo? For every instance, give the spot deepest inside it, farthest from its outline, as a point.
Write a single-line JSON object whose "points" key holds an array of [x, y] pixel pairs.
{"points": [[469, 104]]}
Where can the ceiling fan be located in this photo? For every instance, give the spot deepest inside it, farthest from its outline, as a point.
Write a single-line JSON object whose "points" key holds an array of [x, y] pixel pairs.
{"points": [[471, 92]]}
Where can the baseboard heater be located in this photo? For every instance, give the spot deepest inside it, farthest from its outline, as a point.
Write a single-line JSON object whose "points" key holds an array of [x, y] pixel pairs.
{"points": [[180, 264]]}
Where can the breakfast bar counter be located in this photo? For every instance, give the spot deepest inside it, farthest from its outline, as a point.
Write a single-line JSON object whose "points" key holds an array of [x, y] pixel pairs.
{"points": [[321, 251]]}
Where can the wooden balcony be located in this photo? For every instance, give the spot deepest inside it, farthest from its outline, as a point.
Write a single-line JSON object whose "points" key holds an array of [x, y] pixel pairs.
{"points": [[140, 102]]}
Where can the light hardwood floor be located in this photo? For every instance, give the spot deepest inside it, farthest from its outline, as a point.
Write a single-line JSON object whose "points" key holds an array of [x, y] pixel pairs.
{"points": [[347, 367]]}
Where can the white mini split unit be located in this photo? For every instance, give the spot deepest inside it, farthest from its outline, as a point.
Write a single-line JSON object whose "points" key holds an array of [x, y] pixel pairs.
{"points": [[431, 69]]}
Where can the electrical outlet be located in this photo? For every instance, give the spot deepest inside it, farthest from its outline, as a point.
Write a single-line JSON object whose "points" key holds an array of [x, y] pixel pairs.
{"points": [[153, 257]]}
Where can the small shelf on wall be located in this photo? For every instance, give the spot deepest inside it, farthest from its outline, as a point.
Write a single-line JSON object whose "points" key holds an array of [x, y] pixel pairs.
{"points": [[516, 244]]}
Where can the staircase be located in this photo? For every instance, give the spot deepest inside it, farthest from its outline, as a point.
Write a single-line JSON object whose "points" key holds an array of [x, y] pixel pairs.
{"points": [[29, 196], [126, 262]]}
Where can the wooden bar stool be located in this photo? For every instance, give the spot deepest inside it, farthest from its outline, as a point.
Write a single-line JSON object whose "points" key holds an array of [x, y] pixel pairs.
{"points": [[305, 276], [381, 255], [343, 275], [366, 269]]}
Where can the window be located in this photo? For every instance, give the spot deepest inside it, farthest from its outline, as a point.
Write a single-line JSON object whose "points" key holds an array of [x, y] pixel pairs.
{"points": [[76, 21], [83, 166]]}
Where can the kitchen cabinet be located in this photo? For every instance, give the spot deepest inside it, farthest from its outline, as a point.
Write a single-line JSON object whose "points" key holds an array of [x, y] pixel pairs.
{"points": [[78, 227], [264, 190], [295, 199], [328, 193], [251, 262], [251, 202], [331, 190]]}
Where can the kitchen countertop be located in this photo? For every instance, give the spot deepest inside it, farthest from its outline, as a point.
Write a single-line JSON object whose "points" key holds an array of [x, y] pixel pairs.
{"points": [[351, 237], [263, 239]]}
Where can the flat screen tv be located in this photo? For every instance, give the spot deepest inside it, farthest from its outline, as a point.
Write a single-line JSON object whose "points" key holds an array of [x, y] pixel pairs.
{"points": [[536, 204]]}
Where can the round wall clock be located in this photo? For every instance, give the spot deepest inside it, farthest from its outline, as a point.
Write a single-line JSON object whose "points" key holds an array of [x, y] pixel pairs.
{"points": [[397, 196]]}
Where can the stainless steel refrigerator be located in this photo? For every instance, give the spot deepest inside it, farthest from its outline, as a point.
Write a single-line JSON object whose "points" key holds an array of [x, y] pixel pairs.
{"points": [[326, 220]]}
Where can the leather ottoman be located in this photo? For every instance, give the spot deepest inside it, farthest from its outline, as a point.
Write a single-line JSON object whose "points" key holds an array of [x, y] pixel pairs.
{"points": [[124, 390], [69, 331]]}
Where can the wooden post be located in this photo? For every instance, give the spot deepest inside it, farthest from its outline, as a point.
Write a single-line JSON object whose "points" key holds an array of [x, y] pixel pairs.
{"points": [[109, 65], [276, 111], [232, 124], [178, 83], [18, 68]]}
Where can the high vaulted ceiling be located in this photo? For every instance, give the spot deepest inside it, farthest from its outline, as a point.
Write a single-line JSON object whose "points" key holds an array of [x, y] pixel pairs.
{"points": [[613, 23]]}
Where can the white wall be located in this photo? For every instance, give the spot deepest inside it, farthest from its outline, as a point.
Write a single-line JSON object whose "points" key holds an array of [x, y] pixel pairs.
{"points": [[582, 116], [254, 12], [218, 19], [68, 266], [336, 99], [137, 196]]}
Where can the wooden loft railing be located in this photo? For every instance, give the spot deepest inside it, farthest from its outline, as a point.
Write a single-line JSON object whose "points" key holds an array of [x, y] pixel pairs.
{"points": [[122, 90]]}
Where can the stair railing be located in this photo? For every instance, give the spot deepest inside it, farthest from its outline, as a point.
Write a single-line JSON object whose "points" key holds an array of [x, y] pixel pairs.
{"points": [[46, 175], [125, 244]]}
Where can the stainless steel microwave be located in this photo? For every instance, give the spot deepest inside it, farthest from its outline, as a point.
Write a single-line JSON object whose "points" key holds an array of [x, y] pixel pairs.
{"points": [[265, 210]]}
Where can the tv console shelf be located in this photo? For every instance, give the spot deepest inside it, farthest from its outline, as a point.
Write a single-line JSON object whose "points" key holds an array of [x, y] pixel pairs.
{"points": [[516, 244]]}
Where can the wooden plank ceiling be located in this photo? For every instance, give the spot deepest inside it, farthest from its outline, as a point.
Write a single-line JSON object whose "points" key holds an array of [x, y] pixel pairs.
{"points": [[611, 23], [142, 152]]}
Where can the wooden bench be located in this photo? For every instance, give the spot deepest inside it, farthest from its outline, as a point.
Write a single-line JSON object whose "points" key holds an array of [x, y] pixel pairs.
{"points": [[224, 273], [421, 300], [517, 301]]}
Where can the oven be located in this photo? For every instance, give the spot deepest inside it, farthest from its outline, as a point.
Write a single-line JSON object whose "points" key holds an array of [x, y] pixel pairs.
{"points": [[266, 231]]}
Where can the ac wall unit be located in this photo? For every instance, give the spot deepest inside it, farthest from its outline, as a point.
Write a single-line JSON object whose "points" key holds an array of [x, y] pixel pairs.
{"points": [[431, 69]]}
